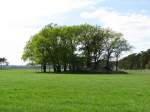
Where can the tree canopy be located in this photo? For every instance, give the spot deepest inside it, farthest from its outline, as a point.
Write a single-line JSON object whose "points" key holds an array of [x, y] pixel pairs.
{"points": [[136, 61], [75, 48], [3, 62]]}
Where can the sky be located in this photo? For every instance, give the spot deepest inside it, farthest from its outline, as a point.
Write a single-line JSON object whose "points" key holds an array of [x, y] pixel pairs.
{"points": [[20, 19]]}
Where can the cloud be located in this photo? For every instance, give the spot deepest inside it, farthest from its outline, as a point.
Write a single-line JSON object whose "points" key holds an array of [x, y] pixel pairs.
{"points": [[19, 19], [134, 26]]}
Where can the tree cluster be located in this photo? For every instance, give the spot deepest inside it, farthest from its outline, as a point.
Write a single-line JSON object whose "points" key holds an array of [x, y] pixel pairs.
{"points": [[3, 62], [75, 48], [136, 61]]}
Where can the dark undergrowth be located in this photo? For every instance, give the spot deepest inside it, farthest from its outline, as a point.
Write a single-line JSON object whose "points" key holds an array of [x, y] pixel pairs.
{"points": [[89, 72]]}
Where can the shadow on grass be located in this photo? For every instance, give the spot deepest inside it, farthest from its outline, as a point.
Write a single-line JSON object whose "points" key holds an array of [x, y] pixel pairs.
{"points": [[89, 73]]}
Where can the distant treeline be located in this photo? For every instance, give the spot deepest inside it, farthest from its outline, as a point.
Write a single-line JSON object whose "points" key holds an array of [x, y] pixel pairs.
{"points": [[136, 61], [75, 48]]}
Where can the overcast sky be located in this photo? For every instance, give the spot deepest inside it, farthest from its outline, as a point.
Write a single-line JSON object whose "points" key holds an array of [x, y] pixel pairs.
{"points": [[20, 19]]}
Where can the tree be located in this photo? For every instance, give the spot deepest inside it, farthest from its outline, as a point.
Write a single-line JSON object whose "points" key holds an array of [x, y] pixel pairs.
{"points": [[52, 46], [97, 45], [136, 61], [79, 47], [69, 42], [36, 51], [120, 46], [91, 43], [3, 61], [86, 34], [110, 42]]}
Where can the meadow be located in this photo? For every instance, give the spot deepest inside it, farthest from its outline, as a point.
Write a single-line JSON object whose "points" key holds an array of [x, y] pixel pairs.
{"points": [[28, 91]]}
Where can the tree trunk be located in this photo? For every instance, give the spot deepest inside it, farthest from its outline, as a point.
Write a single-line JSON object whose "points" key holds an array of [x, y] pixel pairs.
{"points": [[58, 68], [95, 62], [117, 63], [108, 63], [49, 67], [88, 62], [54, 68], [44, 68], [41, 68], [65, 67], [70, 68], [73, 68], [88, 59]]}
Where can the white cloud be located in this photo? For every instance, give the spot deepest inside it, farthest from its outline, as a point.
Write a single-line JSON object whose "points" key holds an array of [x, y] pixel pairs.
{"points": [[19, 19], [135, 27]]}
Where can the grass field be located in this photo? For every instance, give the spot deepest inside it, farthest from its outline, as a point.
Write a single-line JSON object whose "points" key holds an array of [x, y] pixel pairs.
{"points": [[27, 91]]}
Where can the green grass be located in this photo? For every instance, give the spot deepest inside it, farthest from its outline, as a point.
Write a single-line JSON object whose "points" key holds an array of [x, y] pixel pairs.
{"points": [[27, 91]]}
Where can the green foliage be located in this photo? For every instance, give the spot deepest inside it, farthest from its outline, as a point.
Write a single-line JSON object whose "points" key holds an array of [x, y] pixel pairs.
{"points": [[79, 47], [136, 61]]}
